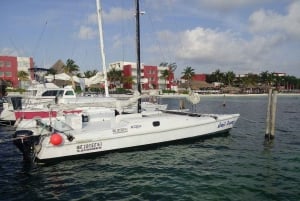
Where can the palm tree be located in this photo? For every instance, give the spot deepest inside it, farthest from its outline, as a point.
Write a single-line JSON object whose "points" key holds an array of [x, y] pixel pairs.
{"points": [[89, 73], [127, 80], [188, 74], [71, 69], [229, 77], [266, 77], [23, 76], [164, 64], [219, 76], [172, 66], [168, 72], [114, 76], [165, 75]]}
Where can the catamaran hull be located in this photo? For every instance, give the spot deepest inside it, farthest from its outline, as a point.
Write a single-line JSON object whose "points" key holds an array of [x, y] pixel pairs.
{"points": [[130, 136]]}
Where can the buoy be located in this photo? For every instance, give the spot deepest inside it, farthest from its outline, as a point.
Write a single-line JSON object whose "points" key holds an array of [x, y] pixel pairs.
{"points": [[56, 139]]}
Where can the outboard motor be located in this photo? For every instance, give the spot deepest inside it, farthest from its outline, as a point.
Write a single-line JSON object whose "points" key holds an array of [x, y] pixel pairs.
{"points": [[25, 141]]}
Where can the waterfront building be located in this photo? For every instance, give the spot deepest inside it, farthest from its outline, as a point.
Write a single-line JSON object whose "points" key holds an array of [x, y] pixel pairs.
{"points": [[151, 76], [11, 65]]}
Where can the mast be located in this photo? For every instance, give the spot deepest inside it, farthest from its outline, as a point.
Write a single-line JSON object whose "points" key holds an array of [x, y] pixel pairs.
{"points": [[100, 26], [138, 54]]}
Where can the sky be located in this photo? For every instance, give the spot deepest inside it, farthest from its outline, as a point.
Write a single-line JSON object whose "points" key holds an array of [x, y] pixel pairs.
{"points": [[243, 36]]}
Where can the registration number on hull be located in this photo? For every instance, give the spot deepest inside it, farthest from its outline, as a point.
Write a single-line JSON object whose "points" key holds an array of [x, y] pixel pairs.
{"points": [[89, 146]]}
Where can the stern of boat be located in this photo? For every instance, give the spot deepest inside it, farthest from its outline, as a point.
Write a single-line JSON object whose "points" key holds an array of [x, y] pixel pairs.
{"points": [[26, 142]]}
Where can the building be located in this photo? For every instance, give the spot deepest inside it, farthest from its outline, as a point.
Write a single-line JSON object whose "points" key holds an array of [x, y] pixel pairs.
{"points": [[10, 65], [199, 77], [151, 76]]}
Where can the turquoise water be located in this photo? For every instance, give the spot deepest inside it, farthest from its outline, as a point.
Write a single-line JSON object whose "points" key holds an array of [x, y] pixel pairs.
{"points": [[240, 166]]}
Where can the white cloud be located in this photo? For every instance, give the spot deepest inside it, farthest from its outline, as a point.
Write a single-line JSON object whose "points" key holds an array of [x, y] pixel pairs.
{"points": [[9, 52], [114, 15], [207, 47], [225, 5], [92, 19], [266, 21], [117, 14], [86, 32]]}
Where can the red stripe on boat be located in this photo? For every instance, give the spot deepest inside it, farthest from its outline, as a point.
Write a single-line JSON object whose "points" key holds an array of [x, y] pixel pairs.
{"points": [[34, 114]]}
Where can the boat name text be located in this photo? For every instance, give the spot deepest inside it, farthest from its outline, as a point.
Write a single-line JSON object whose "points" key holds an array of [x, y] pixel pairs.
{"points": [[225, 123]]}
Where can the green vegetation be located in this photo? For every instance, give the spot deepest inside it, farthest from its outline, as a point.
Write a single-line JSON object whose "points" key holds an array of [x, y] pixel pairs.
{"points": [[188, 74], [265, 78], [71, 69]]}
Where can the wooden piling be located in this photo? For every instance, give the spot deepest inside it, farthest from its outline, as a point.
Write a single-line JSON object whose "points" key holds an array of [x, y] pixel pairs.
{"points": [[268, 113], [271, 115]]}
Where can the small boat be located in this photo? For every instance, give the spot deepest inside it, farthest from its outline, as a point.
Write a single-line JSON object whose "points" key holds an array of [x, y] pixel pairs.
{"points": [[94, 130]]}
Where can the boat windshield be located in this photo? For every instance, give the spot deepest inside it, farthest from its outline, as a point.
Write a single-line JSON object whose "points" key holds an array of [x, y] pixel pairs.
{"points": [[53, 93]]}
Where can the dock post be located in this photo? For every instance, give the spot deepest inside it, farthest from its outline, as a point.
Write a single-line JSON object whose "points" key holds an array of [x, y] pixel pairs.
{"points": [[271, 115]]}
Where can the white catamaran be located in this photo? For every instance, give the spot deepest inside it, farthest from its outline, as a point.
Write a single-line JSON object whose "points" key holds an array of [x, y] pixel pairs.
{"points": [[96, 130]]}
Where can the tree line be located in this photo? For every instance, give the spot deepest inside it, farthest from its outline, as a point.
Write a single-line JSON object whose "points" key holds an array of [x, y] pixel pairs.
{"points": [[228, 78]]}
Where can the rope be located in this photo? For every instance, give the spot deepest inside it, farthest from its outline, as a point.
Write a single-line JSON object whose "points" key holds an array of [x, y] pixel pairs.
{"points": [[249, 120]]}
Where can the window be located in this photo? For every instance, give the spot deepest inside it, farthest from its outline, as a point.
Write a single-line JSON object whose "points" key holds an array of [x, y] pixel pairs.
{"points": [[1, 74], [69, 93], [1, 64], [60, 93], [156, 123], [7, 74], [7, 64], [52, 93]]}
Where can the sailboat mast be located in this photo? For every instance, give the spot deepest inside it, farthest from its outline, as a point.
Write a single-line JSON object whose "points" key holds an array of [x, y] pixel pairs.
{"points": [[100, 26], [138, 54]]}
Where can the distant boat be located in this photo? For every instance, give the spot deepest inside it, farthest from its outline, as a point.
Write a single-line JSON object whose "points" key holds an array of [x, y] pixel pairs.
{"points": [[96, 130]]}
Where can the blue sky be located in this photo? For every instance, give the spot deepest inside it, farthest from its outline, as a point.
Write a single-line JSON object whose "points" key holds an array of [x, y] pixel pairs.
{"points": [[244, 36]]}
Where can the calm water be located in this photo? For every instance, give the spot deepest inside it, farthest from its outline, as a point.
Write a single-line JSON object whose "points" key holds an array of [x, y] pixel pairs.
{"points": [[237, 167]]}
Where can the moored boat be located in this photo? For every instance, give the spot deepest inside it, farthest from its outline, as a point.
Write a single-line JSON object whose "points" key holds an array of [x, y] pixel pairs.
{"points": [[99, 130], [94, 130]]}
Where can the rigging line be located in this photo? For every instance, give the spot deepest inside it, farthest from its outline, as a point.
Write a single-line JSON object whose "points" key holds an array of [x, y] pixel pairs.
{"points": [[13, 44], [123, 32], [39, 39], [152, 28]]}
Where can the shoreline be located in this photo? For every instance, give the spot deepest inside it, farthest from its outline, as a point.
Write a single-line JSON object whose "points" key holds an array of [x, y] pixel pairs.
{"points": [[226, 95]]}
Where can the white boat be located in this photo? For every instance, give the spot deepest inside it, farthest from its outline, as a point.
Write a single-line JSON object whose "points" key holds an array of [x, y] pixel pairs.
{"points": [[34, 97], [97, 130], [38, 98]]}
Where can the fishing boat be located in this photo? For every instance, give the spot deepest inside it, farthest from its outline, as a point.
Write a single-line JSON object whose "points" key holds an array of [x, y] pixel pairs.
{"points": [[97, 130]]}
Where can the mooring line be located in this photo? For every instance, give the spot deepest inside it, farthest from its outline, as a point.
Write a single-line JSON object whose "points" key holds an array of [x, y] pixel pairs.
{"points": [[252, 121]]}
